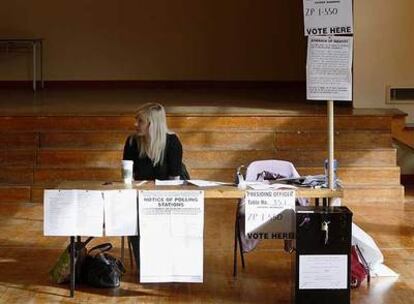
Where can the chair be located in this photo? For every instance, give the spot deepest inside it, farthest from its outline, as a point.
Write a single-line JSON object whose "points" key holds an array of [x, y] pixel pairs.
{"points": [[253, 173]]}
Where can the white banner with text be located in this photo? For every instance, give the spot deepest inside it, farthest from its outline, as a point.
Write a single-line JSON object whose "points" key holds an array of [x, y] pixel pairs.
{"points": [[327, 17], [171, 235]]}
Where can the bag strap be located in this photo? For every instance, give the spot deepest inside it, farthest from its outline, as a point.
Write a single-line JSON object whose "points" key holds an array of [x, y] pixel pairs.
{"points": [[101, 247], [363, 262], [87, 241]]}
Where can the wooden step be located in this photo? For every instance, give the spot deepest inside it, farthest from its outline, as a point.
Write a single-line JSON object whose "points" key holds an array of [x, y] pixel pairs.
{"points": [[195, 122], [343, 139], [233, 159], [229, 140], [79, 159], [373, 194], [21, 158], [19, 140], [219, 159], [54, 176], [279, 122], [16, 175], [90, 140], [69, 123], [15, 194], [348, 175], [193, 139], [360, 175], [356, 157]]}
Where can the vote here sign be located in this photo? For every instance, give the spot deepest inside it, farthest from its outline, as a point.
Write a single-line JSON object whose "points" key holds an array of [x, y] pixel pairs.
{"points": [[327, 17]]}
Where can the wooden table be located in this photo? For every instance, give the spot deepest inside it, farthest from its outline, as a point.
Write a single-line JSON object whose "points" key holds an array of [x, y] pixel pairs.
{"points": [[221, 192], [36, 46]]}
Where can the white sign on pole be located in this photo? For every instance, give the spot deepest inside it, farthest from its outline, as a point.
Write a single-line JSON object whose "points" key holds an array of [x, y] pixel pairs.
{"points": [[270, 214], [327, 17], [171, 236], [329, 68]]}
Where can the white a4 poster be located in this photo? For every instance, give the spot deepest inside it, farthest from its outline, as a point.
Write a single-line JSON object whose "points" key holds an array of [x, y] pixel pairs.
{"points": [[329, 68], [270, 214], [327, 17], [171, 236]]}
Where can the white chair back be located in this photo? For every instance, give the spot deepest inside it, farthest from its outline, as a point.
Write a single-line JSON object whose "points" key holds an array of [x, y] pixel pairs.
{"points": [[282, 167]]}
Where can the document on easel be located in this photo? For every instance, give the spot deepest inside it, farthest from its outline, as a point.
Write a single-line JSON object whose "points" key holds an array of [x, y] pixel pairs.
{"points": [[121, 212], [73, 212], [171, 235]]}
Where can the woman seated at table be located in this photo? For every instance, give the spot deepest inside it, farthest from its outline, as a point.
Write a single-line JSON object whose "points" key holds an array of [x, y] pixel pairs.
{"points": [[156, 151]]}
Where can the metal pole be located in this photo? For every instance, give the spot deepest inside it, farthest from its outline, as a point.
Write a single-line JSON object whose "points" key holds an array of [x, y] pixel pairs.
{"points": [[34, 65], [331, 184], [41, 63]]}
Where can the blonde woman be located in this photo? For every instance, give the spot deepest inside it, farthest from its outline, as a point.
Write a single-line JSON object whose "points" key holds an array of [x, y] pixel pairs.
{"points": [[156, 152]]}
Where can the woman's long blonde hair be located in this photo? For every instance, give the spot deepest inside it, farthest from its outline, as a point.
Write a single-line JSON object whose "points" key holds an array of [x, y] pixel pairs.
{"points": [[153, 143]]}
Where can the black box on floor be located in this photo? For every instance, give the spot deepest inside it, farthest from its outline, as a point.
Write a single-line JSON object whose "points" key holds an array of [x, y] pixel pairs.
{"points": [[322, 263]]}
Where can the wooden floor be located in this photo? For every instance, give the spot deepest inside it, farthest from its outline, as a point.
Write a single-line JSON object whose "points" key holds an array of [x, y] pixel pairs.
{"points": [[26, 256]]}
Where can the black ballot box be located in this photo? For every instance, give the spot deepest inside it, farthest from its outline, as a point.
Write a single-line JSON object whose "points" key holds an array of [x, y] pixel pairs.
{"points": [[322, 263]]}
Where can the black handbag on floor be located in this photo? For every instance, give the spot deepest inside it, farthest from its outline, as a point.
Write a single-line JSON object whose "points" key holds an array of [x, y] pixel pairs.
{"points": [[101, 269], [60, 273]]}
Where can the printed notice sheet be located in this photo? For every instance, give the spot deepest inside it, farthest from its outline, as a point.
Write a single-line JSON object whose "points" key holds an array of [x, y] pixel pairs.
{"points": [[121, 212], [171, 236], [73, 212], [329, 68], [327, 17], [270, 214], [323, 271]]}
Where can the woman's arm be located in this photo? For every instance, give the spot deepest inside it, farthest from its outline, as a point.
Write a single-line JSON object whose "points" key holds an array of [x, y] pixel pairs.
{"points": [[174, 157]]}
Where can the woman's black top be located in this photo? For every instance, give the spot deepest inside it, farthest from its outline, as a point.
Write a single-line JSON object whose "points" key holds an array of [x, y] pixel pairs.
{"points": [[144, 168]]}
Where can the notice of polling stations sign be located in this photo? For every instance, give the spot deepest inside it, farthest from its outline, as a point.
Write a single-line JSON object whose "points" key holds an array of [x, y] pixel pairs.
{"points": [[327, 17]]}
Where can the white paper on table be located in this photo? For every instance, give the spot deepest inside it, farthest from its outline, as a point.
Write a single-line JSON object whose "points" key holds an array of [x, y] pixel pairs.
{"points": [[90, 213], [170, 182], [171, 236], [323, 271], [258, 186], [121, 212], [262, 186], [73, 212], [59, 212], [204, 183]]}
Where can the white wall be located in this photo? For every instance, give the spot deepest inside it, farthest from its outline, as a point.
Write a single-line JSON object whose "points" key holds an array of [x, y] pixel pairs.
{"points": [[384, 51], [158, 39]]}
